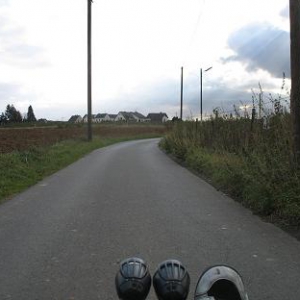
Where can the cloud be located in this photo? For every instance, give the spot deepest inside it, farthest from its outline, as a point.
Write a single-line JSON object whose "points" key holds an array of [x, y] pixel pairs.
{"points": [[148, 97], [15, 50], [261, 46], [216, 95], [285, 13], [9, 93], [4, 3], [8, 89], [164, 96]]}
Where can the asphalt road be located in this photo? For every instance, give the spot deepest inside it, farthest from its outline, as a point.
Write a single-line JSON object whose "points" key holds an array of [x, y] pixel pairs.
{"points": [[63, 238]]}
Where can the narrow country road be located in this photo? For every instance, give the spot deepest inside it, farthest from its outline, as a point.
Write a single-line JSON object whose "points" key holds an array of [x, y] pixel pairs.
{"points": [[63, 238]]}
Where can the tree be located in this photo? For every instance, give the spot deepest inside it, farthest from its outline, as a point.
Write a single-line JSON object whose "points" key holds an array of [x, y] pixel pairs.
{"points": [[8, 113], [12, 115], [30, 115], [3, 119], [295, 75]]}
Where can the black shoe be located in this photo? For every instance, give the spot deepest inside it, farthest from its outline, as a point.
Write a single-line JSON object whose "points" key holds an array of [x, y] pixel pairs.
{"points": [[220, 282], [171, 281], [133, 280]]}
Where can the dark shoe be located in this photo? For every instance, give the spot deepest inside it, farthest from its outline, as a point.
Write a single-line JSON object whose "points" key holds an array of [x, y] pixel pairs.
{"points": [[171, 281], [133, 280]]}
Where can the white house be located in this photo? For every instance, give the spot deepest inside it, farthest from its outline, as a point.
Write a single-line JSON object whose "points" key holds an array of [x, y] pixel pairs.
{"points": [[110, 117], [75, 119], [85, 118], [99, 118], [131, 117]]}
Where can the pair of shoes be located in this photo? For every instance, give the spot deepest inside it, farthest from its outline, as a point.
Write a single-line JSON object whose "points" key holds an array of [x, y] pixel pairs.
{"points": [[171, 281]]}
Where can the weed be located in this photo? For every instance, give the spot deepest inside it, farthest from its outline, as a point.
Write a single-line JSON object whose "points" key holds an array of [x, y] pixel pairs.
{"points": [[250, 161]]}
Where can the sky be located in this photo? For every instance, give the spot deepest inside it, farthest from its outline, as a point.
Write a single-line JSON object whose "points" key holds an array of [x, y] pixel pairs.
{"points": [[138, 49]]}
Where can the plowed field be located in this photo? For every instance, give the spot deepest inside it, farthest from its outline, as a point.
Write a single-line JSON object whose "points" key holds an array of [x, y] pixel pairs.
{"points": [[18, 139]]}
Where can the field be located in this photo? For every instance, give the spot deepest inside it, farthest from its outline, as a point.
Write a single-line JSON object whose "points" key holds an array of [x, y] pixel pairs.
{"points": [[20, 139], [29, 154]]}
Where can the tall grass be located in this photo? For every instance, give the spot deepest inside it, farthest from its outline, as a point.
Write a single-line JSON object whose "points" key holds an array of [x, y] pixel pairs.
{"points": [[252, 160]]}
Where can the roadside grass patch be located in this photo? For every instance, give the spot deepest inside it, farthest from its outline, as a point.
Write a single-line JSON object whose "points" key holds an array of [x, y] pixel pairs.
{"points": [[21, 169], [251, 164]]}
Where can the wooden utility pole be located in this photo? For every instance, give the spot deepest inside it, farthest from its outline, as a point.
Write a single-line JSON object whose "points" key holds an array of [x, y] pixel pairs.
{"points": [[201, 106], [89, 68], [295, 75], [181, 94]]}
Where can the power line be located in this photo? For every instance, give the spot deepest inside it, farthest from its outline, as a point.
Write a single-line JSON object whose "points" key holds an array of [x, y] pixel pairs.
{"points": [[195, 30], [197, 24]]}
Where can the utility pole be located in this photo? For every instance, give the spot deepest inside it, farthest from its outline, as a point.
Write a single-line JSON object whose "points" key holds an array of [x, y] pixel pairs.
{"points": [[295, 75], [260, 98], [89, 68], [181, 94], [201, 100], [201, 108]]}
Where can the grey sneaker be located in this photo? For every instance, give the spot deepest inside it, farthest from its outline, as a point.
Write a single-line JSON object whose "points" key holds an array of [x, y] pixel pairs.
{"points": [[220, 283]]}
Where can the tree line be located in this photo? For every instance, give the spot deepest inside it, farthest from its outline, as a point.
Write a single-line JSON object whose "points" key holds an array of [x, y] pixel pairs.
{"points": [[12, 115]]}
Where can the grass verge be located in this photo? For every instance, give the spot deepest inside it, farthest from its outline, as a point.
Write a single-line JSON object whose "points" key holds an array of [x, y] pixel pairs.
{"points": [[21, 169], [264, 183]]}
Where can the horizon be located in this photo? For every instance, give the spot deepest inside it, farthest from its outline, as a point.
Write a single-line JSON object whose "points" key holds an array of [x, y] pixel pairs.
{"points": [[138, 51]]}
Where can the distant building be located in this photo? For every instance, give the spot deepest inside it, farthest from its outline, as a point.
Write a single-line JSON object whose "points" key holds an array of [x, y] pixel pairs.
{"points": [[99, 118], [158, 117], [75, 119], [85, 118], [111, 117], [131, 117], [42, 120]]}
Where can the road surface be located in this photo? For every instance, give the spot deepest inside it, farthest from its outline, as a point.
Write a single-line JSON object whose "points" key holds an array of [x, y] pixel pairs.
{"points": [[64, 237]]}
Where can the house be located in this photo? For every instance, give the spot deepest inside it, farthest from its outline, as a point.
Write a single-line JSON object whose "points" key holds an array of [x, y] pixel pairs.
{"points": [[105, 117], [130, 117], [110, 117], [158, 117], [75, 119], [85, 118], [99, 118], [138, 117], [123, 116]]}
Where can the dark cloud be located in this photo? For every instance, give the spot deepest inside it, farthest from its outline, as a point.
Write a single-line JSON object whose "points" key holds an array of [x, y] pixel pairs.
{"points": [[262, 46], [165, 96], [217, 94]]}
